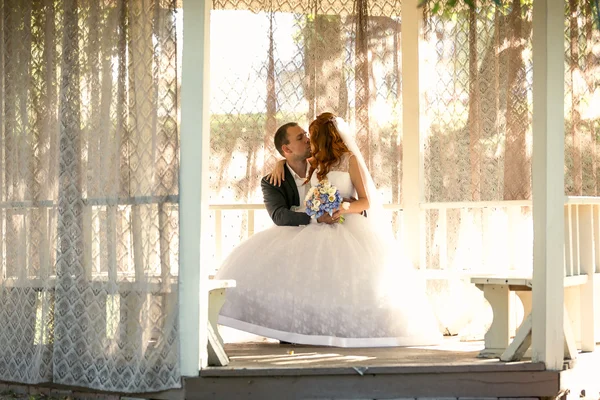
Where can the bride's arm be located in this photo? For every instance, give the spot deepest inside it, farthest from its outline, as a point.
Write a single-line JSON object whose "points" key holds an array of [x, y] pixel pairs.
{"points": [[358, 206], [278, 174]]}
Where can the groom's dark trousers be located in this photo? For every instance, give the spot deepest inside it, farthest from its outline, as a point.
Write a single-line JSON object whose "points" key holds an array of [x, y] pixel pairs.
{"points": [[279, 200]]}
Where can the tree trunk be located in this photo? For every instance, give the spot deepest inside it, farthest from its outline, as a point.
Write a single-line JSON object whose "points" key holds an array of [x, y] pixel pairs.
{"points": [[517, 171], [589, 23], [271, 120], [577, 171], [474, 135], [362, 95], [324, 59]]}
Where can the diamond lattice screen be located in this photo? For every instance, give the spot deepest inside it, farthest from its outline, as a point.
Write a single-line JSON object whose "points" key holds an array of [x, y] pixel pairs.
{"points": [[477, 105], [582, 99], [89, 193], [476, 117]]}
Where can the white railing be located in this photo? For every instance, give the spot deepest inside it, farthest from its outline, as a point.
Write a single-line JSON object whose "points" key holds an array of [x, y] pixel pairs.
{"points": [[582, 238], [515, 246], [251, 211]]}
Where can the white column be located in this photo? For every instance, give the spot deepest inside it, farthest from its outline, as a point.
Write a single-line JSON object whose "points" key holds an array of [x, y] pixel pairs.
{"points": [[548, 182], [193, 189], [412, 150]]}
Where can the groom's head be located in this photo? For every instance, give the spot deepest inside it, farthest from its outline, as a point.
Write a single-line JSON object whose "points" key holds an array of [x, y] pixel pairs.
{"points": [[292, 142]]}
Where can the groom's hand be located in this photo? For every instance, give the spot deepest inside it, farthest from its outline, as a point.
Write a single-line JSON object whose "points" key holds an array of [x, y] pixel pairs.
{"points": [[328, 219]]}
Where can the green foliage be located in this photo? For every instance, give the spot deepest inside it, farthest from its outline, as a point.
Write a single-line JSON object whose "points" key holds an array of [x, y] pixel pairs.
{"points": [[449, 7]]}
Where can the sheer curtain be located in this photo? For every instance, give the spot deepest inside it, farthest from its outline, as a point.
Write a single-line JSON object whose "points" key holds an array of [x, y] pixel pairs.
{"points": [[89, 193]]}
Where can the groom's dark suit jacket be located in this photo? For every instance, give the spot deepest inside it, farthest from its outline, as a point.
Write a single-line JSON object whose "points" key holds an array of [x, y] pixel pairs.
{"points": [[279, 200]]}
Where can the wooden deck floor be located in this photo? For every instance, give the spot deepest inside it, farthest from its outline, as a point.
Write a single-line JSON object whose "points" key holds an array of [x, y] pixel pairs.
{"points": [[452, 370], [261, 358]]}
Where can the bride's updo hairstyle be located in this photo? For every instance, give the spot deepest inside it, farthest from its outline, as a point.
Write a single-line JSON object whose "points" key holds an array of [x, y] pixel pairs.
{"points": [[327, 144]]}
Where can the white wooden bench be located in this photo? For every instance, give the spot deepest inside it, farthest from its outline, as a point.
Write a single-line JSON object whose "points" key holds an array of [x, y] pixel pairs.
{"points": [[496, 290], [216, 299], [581, 258]]}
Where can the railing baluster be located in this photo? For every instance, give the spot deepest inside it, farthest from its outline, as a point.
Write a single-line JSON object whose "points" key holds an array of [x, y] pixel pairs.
{"points": [[250, 223], [596, 224], [443, 239], [577, 242], [568, 241], [513, 236], [218, 237]]}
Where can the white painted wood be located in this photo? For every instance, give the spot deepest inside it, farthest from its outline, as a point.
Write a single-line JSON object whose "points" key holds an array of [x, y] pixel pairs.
{"points": [[499, 331], [573, 308], [476, 204], [261, 206], [577, 241], [497, 337], [522, 280], [588, 267], [548, 183], [216, 355], [250, 223], [596, 225], [568, 241], [443, 238], [195, 85], [570, 349], [583, 200], [489, 241], [514, 217], [216, 298], [526, 301], [412, 154], [218, 235], [520, 343]]}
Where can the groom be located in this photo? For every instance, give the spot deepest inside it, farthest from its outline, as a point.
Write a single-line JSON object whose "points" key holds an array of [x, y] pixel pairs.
{"points": [[292, 142]]}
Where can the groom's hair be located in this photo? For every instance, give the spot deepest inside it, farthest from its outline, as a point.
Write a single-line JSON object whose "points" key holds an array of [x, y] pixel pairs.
{"points": [[281, 136]]}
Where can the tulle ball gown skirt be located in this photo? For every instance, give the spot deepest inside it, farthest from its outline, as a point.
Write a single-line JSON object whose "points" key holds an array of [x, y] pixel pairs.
{"points": [[336, 285]]}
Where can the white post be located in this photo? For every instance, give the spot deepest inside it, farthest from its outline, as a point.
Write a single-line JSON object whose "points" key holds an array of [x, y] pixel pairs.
{"points": [[193, 190], [548, 182], [412, 153]]}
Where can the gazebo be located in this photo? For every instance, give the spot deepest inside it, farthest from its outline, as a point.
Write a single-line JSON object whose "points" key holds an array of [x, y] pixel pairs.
{"points": [[128, 304]]}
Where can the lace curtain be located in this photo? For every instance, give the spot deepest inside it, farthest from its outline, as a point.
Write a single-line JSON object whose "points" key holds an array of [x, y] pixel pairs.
{"points": [[478, 137], [89, 193]]}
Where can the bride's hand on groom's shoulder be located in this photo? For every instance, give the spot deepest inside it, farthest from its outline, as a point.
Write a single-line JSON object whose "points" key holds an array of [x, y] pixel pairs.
{"points": [[277, 176]]}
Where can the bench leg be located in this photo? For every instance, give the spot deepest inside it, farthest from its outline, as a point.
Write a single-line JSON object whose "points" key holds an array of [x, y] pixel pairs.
{"points": [[526, 300], [497, 337], [216, 352], [522, 340], [520, 343]]}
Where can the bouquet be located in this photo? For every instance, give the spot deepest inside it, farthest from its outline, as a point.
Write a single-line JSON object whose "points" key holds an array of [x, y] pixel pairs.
{"points": [[324, 198]]}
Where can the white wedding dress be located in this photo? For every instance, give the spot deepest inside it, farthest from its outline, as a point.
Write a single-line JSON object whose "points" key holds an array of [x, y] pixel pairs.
{"points": [[340, 285]]}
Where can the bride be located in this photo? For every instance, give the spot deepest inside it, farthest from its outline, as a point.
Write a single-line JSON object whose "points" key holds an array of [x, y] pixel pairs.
{"points": [[344, 284]]}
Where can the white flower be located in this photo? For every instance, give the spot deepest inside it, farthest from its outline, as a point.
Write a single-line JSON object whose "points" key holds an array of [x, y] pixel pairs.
{"points": [[331, 191], [309, 194], [345, 205], [331, 198], [316, 205], [323, 190]]}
